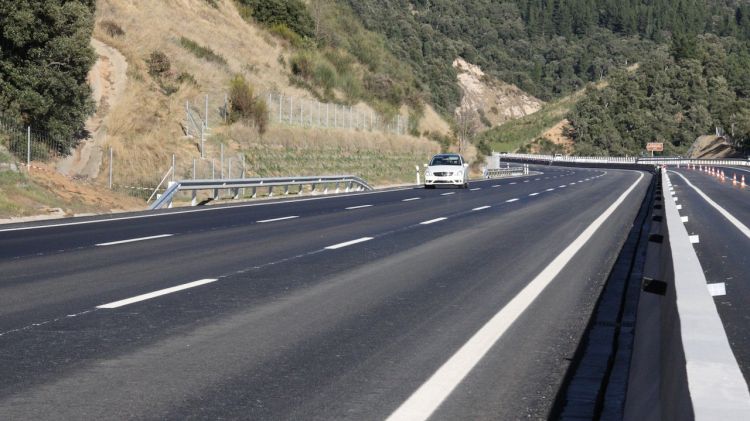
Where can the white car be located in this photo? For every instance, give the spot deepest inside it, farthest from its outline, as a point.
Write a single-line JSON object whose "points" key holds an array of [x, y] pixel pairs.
{"points": [[448, 169]]}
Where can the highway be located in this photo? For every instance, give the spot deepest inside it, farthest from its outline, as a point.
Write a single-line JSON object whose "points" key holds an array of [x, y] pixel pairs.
{"points": [[723, 244], [400, 304]]}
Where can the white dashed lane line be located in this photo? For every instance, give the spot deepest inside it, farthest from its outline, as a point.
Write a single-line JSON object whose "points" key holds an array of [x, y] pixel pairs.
{"points": [[411, 199], [133, 240], [533, 194], [358, 207], [155, 294], [481, 208], [448, 194], [432, 221], [284, 218], [511, 200], [348, 243]]}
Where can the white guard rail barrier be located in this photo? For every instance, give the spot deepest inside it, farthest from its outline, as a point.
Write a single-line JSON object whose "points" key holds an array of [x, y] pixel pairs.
{"points": [[624, 160], [506, 172], [347, 182]]}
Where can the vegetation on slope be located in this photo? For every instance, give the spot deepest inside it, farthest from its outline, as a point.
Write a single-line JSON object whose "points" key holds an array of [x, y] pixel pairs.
{"points": [[698, 86]]}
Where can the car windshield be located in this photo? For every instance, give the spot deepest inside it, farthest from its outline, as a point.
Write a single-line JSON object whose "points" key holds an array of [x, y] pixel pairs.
{"points": [[446, 160]]}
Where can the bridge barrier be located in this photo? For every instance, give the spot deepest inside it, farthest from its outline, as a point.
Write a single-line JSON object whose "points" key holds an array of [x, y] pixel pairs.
{"points": [[682, 365]]}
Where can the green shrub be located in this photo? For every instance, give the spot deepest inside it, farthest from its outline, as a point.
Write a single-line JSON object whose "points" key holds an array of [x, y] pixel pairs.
{"points": [[245, 106], [158, 64], [302, 65], [201, 52], [187, 78], [112, 28], [291, 13], [325, 76], [283, 31]]}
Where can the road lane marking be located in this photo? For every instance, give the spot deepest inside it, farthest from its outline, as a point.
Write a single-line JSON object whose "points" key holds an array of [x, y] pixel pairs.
{"points": [[155, 294], [498, 185], [694, 239], [736, 222], [511, 200], [717, 289], [358, 207], [525, 181], [348, 243], [410, 199], [448, 194], [533, 194], [431, 394], [133, 240], [284, 218], [550, 190], [432, 221], [561, 187], [572, 183], [481, 208], [684, 218], [475, 189]]}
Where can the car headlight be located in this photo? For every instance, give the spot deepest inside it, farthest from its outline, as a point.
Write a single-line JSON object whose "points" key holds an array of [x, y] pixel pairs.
{"points": [[427, 173], [460, 173]]}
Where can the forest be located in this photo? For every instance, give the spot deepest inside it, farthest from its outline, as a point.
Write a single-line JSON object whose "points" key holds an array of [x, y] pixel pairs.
{"points": [[551, 48]]}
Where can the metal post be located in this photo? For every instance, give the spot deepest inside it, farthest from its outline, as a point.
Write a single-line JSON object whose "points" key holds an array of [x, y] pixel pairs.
{"points": [[28, 148], [173, 168], [203, 142], [222, 161], [110, 167], [206, 122], [418, 180]]}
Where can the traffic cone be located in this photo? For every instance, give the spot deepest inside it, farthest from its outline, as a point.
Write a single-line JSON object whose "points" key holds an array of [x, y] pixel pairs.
{"points": [[734, 179], [743, 181]]}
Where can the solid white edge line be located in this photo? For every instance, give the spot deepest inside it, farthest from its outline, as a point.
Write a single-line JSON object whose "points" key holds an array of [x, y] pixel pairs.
{"points": [[736, 222], [155, 294], [432, 221], [358, 207], [133, 240], [481, 208], [203, 209], [348, 243], [431, 394], [410, 199], [264, 221]]}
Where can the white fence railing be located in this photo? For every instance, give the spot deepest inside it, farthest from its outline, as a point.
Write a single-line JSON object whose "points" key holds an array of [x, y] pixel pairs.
{"points": [[621, 160]]}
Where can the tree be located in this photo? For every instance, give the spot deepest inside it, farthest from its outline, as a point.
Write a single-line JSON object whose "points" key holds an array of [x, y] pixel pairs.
{"points": [[45, 56]]}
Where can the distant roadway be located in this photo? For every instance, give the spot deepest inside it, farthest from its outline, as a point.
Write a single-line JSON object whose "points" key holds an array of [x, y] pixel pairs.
{"points": [[410, 303]]}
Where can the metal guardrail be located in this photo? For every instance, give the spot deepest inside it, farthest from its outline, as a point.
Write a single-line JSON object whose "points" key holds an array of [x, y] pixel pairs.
{"points": [[346, 182], [624, 160], [505, 172]]}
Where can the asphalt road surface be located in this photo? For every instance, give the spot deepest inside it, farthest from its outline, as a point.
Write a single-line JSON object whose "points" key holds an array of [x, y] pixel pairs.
{"points": [[724, 246], [449, 303]]}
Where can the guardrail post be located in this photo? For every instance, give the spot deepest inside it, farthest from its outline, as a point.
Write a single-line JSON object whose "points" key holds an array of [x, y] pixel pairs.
{"points": [[28, 148], [270, 191], [325, 189], [255, 192], [286, 189], [194, 200], [173, 168], [337, 187], [110, 167], [418, 180]]}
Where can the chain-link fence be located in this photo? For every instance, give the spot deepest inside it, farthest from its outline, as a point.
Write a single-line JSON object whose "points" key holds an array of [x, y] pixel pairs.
{"points": [[28, 144]]}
